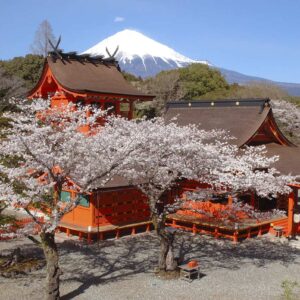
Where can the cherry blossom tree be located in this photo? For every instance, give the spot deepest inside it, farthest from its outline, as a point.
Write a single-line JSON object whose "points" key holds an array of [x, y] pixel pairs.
{"points": [[173, 153], [288, 114], [243, 170], [49, 149], [249, 169], [167, 156]]}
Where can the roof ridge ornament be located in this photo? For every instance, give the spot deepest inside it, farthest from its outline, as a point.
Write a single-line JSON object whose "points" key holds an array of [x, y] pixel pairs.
{"points": [[55, 48], [111, 57], [84, 57]]}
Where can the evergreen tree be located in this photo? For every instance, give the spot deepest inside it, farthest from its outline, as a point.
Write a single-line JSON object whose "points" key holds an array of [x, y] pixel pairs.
{"points": [[200, 79], [27, 68]]}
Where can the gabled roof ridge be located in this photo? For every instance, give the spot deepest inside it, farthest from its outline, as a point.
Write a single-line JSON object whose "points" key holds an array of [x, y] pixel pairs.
{"points": [[265, 102], [73, 55]]}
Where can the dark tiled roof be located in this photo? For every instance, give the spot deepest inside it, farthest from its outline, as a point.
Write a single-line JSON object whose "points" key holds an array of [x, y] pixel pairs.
{"points": [[117, 181], [87, 76], [241, 118], [289, 158]]}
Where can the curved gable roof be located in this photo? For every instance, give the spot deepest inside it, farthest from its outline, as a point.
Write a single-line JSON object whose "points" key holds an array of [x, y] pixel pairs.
{"points": [[83, 76], [241, 118], [80, 76]]}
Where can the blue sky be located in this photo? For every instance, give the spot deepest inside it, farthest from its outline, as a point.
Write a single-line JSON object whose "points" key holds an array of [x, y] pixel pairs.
{"points": [[255, 37]]}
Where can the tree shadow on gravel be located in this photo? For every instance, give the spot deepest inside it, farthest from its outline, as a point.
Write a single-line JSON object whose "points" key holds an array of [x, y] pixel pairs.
{"points": [[113, 260], [28, 249], [218, 253], [116, 260]]}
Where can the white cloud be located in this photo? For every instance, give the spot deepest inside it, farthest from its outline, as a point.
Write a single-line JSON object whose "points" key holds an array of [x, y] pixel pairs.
{"points": [[119, 19]]}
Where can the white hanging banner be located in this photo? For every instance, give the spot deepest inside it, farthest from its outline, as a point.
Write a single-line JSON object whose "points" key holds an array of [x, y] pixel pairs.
{"points": [[296, 218]]}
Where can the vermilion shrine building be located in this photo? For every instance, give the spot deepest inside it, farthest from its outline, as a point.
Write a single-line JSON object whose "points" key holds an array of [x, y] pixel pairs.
{"points": [[68, 77], [81, 79], [252, 123]]}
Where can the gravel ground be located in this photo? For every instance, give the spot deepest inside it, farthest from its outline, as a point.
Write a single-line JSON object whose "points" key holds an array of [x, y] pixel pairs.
{"points": [[123, 269]]}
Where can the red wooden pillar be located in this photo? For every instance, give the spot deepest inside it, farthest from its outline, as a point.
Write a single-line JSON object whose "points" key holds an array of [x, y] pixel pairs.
{"points": [[148, 228], [249, 233], [194, 229], [101, 236], [88, 112], [291, 205], [102, 104], [89, 237], [259, 231], [235, 237], [133, 230], [216, 233], [131, 108], [117, 107], [230, 200], [92, 210]]}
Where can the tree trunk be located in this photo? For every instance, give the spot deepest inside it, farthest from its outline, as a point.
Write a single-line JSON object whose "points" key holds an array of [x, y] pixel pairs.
{"points": [[166, 260], [53, 271]]}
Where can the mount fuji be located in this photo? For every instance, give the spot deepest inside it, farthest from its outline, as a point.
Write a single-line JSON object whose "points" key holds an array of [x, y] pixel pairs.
{"points": [[142, 56]]}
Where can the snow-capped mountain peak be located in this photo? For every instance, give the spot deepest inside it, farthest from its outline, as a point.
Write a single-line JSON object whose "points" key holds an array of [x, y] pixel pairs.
{"points": [[142, 56], [134, 47]]}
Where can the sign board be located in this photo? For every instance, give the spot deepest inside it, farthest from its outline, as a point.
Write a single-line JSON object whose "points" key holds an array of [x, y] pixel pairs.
{"points": [[296, 218]]}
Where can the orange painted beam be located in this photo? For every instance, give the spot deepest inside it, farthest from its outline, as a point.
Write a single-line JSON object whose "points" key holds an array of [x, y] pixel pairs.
{"points": [[291, 205]]}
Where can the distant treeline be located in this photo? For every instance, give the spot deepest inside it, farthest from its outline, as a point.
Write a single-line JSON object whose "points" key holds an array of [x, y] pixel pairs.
{"points": [[19, 75], [199, 82]]}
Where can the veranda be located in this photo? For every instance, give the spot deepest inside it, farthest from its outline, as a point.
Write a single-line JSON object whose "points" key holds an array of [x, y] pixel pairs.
{"points": [[219, 218]]}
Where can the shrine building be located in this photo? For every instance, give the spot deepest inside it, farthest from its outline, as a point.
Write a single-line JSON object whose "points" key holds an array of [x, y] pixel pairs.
{"points": [[85, 80], [251, 122], [82, 79]]}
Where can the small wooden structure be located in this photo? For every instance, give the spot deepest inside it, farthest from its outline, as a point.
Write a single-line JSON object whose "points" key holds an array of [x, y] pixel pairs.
{"points": [[187, 271]]}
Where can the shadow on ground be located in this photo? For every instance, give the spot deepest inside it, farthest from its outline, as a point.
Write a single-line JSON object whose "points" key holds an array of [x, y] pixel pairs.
{"points": [[91, 265]]}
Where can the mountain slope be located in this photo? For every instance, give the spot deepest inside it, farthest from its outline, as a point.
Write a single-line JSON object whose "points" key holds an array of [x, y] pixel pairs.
{"points": [[235, 77], [142, 56]]}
